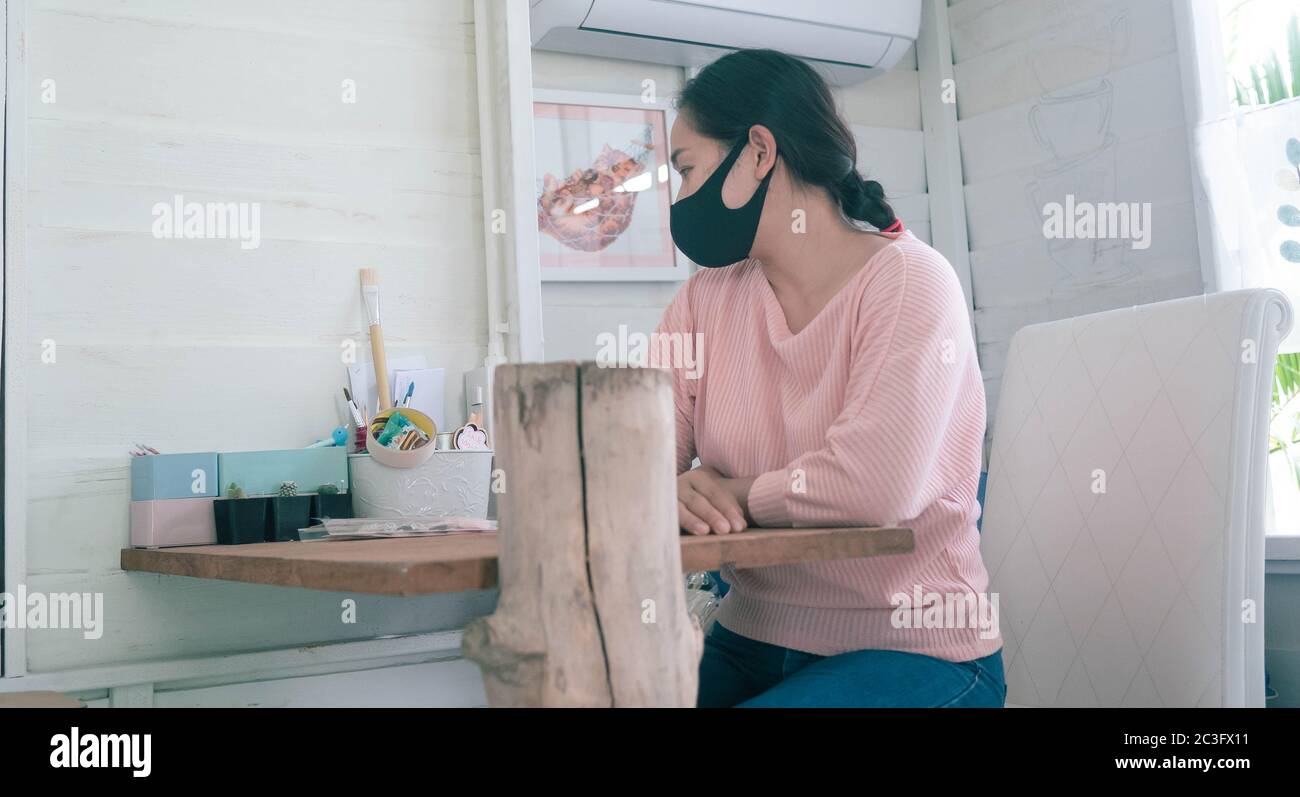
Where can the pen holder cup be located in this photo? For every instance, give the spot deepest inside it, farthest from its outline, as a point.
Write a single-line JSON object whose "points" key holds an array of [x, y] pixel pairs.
{"points": [[450, 484], [392, 457]]}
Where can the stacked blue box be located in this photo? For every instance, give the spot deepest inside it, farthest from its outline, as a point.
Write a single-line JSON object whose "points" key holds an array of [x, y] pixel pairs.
{"points": [[171, 499], [262, 472]]}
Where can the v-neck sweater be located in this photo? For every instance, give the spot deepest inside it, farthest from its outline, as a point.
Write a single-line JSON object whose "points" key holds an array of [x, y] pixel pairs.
{"points": [[872, 414]]}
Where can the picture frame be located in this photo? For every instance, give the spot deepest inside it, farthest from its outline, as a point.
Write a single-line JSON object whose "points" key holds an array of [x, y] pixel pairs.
{"points": [[615, 146]]}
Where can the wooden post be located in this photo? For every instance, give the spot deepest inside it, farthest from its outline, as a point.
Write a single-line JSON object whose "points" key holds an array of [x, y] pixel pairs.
{"points": [[541, 647], [652, 643], [593, 608]]}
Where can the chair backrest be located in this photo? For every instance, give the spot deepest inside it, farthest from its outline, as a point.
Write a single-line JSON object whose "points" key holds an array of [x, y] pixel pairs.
{"points": [[1124, 524]]}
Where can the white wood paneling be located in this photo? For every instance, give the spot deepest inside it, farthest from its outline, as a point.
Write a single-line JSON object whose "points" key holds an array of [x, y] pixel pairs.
{"points": [[893, 157], [942, 149], [1029, 270], [1060, 98], [979, 26], [149, 618], [1001, 208], [442, 684], [504, 64], [394, 650], [571, 72], [14, 168], [1144, 99], [260, 82], [200, 344], [1081, 45], [209, 292], [888, 100], [69, 151], [387, 23], [133, 696]]}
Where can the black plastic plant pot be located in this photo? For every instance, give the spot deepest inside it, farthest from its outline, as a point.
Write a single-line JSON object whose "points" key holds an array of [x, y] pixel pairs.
{"points": [[288, 514], [240, 520], [337, 505]]}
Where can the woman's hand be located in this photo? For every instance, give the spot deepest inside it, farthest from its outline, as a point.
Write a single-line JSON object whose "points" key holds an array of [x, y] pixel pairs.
{"points": [[708, 502]]}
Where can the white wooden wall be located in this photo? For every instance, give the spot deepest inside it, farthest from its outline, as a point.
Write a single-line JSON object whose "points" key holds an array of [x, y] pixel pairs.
{"points": [[453, 683], [199, 344], [1009, 55], [885, 115]]}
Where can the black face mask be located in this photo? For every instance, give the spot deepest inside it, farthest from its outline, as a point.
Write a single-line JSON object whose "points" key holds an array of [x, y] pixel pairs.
{"points": [[709, 232]]}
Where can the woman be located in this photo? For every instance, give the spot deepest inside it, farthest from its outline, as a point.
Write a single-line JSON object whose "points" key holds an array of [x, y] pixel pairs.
{"points": [[839, 387]]}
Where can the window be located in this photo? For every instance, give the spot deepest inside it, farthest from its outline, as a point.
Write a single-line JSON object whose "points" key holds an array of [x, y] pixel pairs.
{"points": [[1240, 61], [1261, 51], [1284, 445]]}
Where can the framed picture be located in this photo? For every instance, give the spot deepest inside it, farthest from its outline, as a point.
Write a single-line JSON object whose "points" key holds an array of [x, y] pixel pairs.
{"points": [[603, 185]]}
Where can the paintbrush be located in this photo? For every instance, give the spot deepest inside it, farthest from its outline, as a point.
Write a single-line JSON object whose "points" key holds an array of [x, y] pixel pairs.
{"points": [[370, 297]]}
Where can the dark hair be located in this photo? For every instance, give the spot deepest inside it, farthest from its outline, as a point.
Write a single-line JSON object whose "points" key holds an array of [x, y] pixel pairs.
{"points": [[788, 97]]}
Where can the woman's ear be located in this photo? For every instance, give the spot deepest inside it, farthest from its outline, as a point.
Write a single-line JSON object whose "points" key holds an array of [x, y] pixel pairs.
{"points": [[763, 144]]}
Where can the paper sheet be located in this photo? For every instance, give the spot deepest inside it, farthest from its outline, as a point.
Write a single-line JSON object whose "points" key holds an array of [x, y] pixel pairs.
{"points": [[428, 394], [361, 378]]}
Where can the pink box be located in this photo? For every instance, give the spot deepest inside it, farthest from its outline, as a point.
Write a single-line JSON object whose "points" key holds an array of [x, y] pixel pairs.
{"points": [[169, 522]]}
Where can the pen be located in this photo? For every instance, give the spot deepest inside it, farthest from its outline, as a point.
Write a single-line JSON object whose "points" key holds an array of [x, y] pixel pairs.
{"points": [[410, 390], [352, 407]]}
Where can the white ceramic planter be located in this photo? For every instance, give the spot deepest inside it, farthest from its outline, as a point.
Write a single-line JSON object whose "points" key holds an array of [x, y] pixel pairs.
{"points": [[450, 484]]}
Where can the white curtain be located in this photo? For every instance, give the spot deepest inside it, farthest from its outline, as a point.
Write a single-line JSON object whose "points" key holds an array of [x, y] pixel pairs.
{"points": [[1247, 178], [1250, 170]]}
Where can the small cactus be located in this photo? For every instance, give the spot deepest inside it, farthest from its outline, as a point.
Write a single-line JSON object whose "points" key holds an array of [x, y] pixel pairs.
{"points": [[288, 489], [235, 491], [327, 489]]}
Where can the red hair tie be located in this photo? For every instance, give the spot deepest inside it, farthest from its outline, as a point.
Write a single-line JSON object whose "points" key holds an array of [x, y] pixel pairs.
{"points": [[897, 226]]}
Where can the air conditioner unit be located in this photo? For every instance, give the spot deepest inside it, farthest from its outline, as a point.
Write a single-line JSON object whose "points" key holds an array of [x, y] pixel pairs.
{"points": [[851, 39]]}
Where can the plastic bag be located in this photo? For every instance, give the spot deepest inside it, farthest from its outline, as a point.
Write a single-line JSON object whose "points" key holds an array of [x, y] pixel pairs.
{"points": [[702, 598]]}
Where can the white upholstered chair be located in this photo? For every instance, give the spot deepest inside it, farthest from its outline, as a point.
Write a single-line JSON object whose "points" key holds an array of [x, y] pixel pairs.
{"points": [[1124, 519]]}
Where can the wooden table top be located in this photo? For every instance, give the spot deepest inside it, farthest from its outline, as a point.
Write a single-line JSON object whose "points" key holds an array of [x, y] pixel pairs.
{"points": [[39, 700], [458, 561]]}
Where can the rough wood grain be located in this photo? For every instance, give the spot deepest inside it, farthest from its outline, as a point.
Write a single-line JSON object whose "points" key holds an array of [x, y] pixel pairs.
{"points": [[542, 646], [652, 644], [39, 700], [407, 566], [416, 566], [764, 547]]}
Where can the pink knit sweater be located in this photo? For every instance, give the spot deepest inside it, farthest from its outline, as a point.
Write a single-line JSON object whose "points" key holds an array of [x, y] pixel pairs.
{"points": [[873, 414]]}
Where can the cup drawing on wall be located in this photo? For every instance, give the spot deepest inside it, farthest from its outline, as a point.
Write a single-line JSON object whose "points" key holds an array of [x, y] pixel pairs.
{"points": [[1072, 125], [1074, 129], [1095, 49]]}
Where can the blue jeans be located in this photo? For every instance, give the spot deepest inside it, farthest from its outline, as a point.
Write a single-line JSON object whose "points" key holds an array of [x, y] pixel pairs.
{"points": [[745, 673]]}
